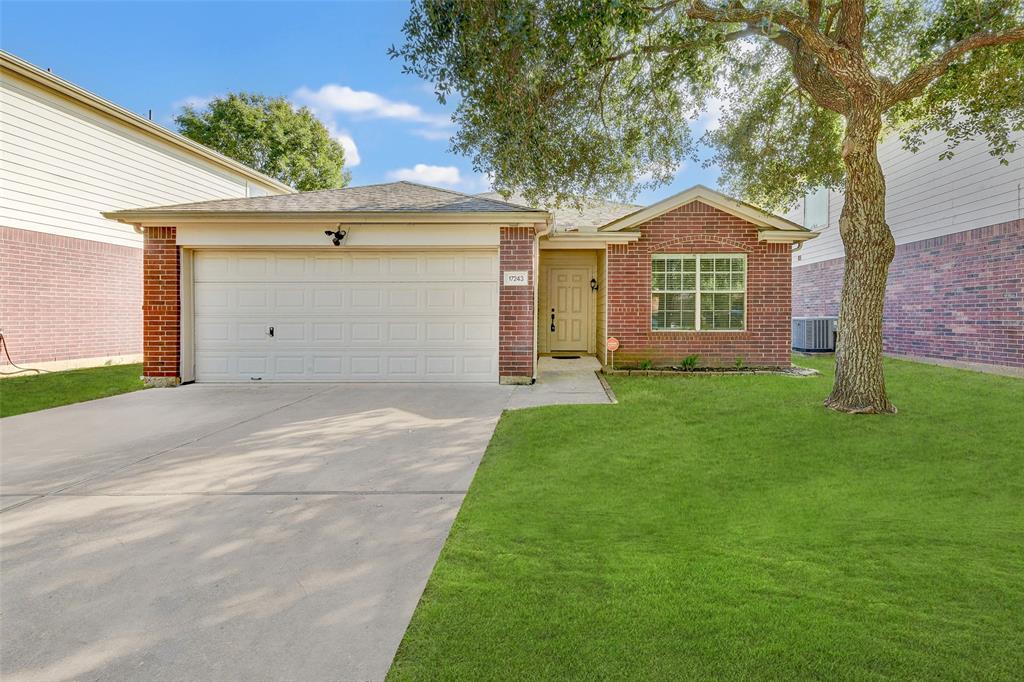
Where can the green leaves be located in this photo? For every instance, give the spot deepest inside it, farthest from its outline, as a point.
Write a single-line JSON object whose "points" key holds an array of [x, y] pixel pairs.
{"points": [[270, 135], [563, 99]]}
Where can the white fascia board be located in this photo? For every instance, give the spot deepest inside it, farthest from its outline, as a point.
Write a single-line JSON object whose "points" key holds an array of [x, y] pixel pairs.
{"points": [[164, 218], [708, 196], [784, 236]]}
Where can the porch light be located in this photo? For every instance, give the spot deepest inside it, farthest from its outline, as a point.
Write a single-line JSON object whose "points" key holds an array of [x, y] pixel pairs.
{"points": [[336, 235], [593, 284]]}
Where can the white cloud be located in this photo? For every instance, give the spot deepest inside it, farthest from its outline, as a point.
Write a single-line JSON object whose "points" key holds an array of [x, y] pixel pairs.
{"points": [[429, 175], [194, 101], [333, 98], [711, 117], [352, 157], [432, 134]]}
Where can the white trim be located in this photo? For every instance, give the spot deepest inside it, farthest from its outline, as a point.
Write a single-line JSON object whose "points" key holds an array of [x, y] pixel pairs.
{"points": [[697, 291], [708, 196], [586, 240], [785, 237], [187, 318], [150, 218]]}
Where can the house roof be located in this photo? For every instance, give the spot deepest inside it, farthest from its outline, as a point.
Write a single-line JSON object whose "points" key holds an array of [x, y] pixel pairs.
{"points": [[594, 214], [752, 214], [44, 79], [406, 198]]}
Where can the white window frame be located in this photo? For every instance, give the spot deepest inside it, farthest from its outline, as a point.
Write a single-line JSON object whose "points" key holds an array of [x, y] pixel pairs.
{"points": [[697, 293], [823, 195]]}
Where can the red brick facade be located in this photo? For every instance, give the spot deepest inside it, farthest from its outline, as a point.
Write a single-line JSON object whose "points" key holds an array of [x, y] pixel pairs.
{"points": [[161, 304], [957, 297], [700, 228], [65, 298], [516, 350]]}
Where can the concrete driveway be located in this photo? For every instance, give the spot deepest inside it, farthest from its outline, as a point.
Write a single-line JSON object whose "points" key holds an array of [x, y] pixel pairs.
{"points": [[278, 532]]}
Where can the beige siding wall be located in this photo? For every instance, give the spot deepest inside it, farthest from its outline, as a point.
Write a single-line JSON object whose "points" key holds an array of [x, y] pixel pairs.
{"points": [[928, 197], [64, 163]]}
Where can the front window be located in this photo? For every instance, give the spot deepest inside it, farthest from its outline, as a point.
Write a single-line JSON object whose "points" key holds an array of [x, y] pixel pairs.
{"points": [[698, 292]]}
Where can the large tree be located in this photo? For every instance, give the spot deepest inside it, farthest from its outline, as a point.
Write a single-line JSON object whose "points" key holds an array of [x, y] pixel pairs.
{"points": [[561, 99], [270, 135]]}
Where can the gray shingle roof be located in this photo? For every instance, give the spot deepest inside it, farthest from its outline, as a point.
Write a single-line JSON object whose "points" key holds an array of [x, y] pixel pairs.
{"points": [[383, 198], [595, 213]]}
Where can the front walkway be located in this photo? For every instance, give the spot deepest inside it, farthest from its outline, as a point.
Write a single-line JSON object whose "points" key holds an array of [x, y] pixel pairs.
{"points": [[563, 382]]}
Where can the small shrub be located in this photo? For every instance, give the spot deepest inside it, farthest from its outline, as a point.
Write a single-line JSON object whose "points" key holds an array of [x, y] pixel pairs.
{"points": [[689, 362], [739, 363], [645, 364]]}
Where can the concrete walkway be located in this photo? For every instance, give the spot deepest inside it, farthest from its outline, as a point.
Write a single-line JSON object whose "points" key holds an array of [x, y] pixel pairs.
{"points": [[278, 532], [563, 382]]}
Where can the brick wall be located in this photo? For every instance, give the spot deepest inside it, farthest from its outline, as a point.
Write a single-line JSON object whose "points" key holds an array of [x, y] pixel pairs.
{"points": [[956, 297], [161, 304], [63, 298], [699, 228], [516, 306]]}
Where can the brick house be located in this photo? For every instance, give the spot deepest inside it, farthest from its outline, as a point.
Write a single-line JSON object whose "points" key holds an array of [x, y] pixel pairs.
{"points": [[956, 286], [71, 280], [404, 282]]}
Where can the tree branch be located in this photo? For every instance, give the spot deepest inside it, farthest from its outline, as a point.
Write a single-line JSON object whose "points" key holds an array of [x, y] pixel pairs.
{"points": [[812, 39], [917, 80], [850, 27], [814, 11]]}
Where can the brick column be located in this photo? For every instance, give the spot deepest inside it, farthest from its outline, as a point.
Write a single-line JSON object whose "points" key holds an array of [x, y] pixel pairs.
{"points": [[516, 314], [161, 307]]}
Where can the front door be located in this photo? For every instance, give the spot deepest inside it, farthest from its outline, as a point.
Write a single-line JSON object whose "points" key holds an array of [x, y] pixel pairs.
{"points": [[568, 309]]}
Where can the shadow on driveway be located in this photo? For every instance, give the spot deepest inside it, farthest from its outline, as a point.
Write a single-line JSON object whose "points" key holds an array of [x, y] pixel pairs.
{"points": [[280, 532]]}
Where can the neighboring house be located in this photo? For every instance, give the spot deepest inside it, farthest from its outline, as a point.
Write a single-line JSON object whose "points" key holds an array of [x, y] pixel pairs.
{"points": [[956, 287], [71, 280], [433, 285]]}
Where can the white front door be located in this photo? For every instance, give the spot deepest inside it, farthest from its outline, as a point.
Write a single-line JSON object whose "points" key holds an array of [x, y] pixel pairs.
{"points": [[568, 309], [346, 316]]}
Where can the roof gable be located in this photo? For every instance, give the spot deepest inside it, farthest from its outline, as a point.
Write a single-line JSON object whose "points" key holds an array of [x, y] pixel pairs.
{"points": [[744, 211]]}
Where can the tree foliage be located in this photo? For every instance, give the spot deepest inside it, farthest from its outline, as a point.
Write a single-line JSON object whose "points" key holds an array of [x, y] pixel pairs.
{"points": [[567, 98], [271, 136]]}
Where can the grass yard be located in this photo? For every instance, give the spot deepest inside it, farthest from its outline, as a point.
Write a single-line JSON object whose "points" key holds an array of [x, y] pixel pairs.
{"points": [[29, 393], [732, 528]]}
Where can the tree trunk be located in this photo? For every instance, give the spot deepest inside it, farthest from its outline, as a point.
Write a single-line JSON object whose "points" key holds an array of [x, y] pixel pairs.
{"points": [[859, 383]]}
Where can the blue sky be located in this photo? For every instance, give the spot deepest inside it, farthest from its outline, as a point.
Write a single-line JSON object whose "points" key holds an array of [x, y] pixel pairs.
{"points": [[330, 55]]}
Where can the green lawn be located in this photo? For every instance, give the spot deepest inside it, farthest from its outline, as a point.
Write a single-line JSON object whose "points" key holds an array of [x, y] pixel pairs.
{"points": [[732, 528], [38, 392]]}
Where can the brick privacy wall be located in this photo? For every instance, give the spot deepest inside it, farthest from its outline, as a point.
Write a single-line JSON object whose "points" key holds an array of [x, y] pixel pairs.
{"points": [[700, 228], [63, 298], [161, 306], [515, 304], [956, 297]]}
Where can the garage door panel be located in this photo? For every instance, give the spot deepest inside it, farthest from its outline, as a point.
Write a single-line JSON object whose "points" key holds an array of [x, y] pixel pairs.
{"points": [[212, 333], [260, 267], [349, 365], [346, 316], [457, 298]]}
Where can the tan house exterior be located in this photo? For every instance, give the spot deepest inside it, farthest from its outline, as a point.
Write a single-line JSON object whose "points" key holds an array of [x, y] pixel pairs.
{"points": [[404, 282]]}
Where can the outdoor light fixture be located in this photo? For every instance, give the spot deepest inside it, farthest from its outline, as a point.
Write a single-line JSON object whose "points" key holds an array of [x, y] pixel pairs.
{"points": [[593, 284], [336, 235]]}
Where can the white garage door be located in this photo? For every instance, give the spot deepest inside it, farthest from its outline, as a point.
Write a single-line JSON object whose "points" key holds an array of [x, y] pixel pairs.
{"points": [[346, 316]]}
